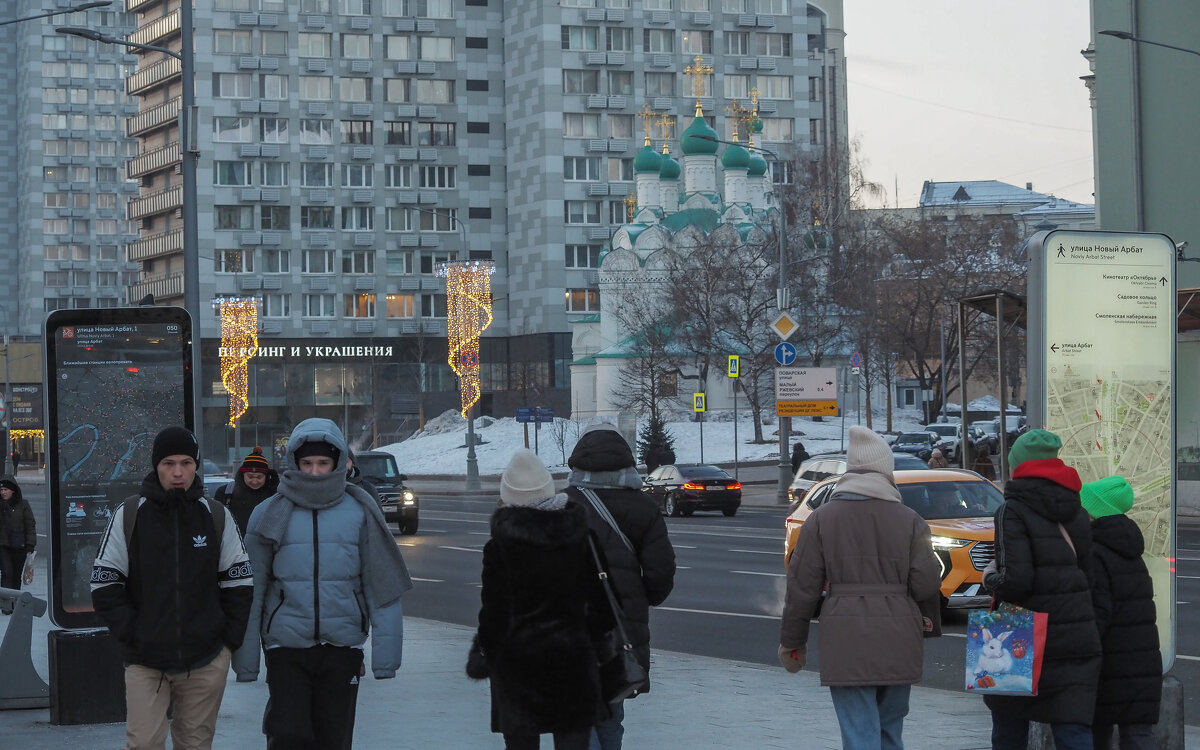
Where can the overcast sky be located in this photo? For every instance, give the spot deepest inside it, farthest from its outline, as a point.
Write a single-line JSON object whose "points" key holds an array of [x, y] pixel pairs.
{"points": [[948, 90]]}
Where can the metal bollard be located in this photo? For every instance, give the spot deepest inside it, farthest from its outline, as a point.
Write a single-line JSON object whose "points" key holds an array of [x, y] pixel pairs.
{"points": [[21, 687]]}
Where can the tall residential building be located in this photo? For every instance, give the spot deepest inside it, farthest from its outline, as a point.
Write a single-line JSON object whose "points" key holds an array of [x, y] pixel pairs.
{"points": [[348, 146]]}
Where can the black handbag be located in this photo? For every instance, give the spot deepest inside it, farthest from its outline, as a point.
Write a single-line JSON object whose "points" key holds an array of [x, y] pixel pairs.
{"points": [[621, 674]]}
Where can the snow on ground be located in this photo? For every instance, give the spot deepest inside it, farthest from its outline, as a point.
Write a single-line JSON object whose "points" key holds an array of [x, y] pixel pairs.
{"points": [[442, 447]]}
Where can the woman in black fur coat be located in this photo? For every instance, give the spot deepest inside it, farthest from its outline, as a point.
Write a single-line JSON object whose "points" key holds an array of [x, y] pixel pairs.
{"points": [[542, 605]]}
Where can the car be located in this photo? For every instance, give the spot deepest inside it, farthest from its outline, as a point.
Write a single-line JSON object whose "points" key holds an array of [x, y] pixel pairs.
{"points": [[683, 489], [985, 436], [399, 503], [1015, 426], [950, 437], [957, 504], [214, 477], [834, 465], [920, 444]]}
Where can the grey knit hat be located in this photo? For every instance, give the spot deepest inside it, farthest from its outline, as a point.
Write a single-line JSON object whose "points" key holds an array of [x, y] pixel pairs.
{"points": [[525, 479], [869, 467]]}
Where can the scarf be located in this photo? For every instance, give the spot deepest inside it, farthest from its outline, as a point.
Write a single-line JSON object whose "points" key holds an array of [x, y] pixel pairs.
{"points": [[868, 484], [385, 576], [626, 478]]}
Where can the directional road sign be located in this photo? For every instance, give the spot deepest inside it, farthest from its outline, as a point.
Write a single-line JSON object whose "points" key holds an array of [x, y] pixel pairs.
{"points": [[785, 354], [805, 391]]}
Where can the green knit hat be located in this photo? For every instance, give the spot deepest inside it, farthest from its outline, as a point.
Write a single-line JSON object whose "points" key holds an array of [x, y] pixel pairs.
{"points": [[1110, 496], [1032, 446]]}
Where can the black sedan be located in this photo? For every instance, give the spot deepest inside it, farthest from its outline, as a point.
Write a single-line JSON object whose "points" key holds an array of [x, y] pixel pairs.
{"points": [[920, 444], [682, 489]]}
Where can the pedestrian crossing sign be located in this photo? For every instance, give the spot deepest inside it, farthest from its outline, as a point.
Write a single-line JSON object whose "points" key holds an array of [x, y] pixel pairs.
{"points": [[698, 402], [733, 366]]}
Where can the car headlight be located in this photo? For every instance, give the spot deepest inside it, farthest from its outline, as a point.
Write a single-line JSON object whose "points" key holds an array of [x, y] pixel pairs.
{"points": [[948, 542], [409, 497]]}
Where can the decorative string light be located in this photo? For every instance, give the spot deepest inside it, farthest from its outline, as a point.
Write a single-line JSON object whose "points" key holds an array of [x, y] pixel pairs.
{"points": [[468, 314], [239, 342], [39, 434]]}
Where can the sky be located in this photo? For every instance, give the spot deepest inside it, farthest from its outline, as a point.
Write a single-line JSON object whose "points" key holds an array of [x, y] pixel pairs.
{"points": [[949, 90]]}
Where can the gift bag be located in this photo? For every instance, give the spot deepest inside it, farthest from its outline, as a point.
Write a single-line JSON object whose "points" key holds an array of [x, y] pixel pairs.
{"points": [[1004, 650], [27, 572]]}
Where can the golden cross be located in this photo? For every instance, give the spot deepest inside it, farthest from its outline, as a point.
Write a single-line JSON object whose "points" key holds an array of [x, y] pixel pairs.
{"points": [[753, 116], [740, 115], [630, 205], [647, 116], [666, 125], [698, 72]]}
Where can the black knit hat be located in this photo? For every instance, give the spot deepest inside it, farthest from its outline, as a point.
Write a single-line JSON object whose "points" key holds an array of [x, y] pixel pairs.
{"points": [[601, 448], [316, 448], [256, 461], [174, 441], [10, 483]]}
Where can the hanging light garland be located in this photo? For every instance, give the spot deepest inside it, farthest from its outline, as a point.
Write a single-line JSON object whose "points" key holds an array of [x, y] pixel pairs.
{"points": [[239, 342], [468, 314]]}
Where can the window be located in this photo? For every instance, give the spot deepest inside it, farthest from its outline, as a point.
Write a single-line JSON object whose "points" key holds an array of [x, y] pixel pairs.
{"points": [[356, 46], [233, 261], [775, 87], [434, 9], [581, 212], [434, 91], [660, 84], [581, 81], [777, 129], [316, 261], [276, 305], [695, 6], [231, 173], [274, 130], [737, 42], [232, 4], [437, 48], [437, 177], [78, 122], [581, 167], [233, 129], [736, 6], [354, 89], [620, 126], [226, 42], [275, 260], [438, 220], [55, 226], [358, 131], [659, 40], [433, 305], [396, 8], [578, 125], [358, 175], [54, 96], [54, 200], [435, 134], [103, 200], [360, 305], [737, 86], [620, 82], [355, 7], [316, 174], [814, 132], [234, 217], [398, 133], [319, 306], [399, 48], [54, 122], [395, 90], [617, 4], [54, 148], [582, 300], [232, 86], [579, 38], [316, 132], [617, 212], [313, 45], [399, 305], [314, 6], [397, 176], [316, 217], [59, 70], [77, 174], [57, 303], [578, 3], [273, 42], [620, 169], [273, 173], [107, 252], [773, 7], [358, 261], [583, 256], [104, 122], [774, 45], [316, 88], [358, 218], [54, 278], [618, 39], [399, 262], [273, 87], [106, 278], [105, 96], [656, 4], [697, 42], [275, 217], [105, 148], [816, 89], [398, 219]]}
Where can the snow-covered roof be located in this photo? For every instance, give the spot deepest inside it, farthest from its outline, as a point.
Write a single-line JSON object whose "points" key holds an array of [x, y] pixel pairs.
{"points": [[978, 193]]}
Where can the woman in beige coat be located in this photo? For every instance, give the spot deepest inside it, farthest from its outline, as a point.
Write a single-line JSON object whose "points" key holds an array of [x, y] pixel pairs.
{"points": [[874, 554]]}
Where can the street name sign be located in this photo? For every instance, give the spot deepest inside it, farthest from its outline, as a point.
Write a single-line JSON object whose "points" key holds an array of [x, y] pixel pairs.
{"points": [[805, 391]]}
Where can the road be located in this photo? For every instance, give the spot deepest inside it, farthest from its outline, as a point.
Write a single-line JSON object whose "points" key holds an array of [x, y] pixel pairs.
{"points": [[728, 591]]}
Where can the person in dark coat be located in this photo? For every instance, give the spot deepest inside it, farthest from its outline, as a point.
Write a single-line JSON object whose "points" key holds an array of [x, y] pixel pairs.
{"points": [[799, 456], [602, 463], [18, 534], [254, 482], [536, 632], [1123, 594], [1044, 563]]}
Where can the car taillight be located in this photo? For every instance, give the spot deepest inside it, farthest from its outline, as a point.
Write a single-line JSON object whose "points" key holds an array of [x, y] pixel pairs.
{"points": [[734, 486], [692, 486]]}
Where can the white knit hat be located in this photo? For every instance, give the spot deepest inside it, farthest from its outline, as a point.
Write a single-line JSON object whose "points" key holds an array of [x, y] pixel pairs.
{"points": [[869, 466], [525, 479]]}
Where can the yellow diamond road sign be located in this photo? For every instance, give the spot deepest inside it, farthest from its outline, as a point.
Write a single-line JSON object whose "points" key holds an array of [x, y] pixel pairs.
{"points": [[785, 325]]}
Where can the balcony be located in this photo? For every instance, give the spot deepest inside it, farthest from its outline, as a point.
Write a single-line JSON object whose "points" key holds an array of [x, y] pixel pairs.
{"points": [[168, 287], [153, 118], [133, 6], [165, 70], [155, 246], [155, 204], [152, 161], [157, 30]]}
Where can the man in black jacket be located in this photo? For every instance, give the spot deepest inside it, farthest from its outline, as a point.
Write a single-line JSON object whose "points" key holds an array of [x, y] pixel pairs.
{"points": [[174, 596], [255, 481], [642, 565]]}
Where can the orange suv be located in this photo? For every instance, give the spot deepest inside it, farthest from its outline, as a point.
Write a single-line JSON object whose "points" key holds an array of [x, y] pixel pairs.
{"points": [[957, 504]]}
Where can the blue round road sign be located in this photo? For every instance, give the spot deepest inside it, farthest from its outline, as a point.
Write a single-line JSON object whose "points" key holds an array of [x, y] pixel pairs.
{"points": [[785, 354]]}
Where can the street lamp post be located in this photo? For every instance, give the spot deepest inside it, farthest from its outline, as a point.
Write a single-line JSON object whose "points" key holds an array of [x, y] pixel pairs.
{"points": [[60, 12], [189, 152], [1131, 38]]}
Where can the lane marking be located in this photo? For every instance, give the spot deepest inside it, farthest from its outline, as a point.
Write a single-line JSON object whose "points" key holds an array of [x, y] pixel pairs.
{"points": [[757, 551], [715, 612], [428, 580], [684, 546], [462, 549], [758, 573]]}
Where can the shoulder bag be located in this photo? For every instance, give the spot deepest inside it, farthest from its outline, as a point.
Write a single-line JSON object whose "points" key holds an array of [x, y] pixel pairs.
{"points": [[621, 674]]}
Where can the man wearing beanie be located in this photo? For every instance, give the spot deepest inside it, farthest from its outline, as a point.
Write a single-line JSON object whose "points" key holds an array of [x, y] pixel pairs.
{"points": [[327, 574], [1044, 563], [873, 555], [254, 482], [539, 585], [172, 583], [18, 535], [604, 480], [1130, 689]]}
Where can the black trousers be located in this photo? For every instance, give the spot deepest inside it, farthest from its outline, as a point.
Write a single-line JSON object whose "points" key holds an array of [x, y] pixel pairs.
{"points": [[12, 561], [313, 692], [576, 740]]}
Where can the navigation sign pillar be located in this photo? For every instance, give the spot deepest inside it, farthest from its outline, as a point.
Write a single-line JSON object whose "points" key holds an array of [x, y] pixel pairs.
{"points": [[733, 372]]}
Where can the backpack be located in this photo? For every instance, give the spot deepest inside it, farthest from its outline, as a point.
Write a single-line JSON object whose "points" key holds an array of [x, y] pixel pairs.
{"points": [[216, 509]]}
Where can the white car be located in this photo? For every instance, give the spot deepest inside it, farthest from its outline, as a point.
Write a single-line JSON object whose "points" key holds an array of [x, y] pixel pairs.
{"points": [[950, 436]]}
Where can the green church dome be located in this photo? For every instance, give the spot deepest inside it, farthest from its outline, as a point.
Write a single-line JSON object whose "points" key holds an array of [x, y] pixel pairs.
{"points": [[647, 160], [757, 166], [669, 169], [735, 157], [699, 139]]}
